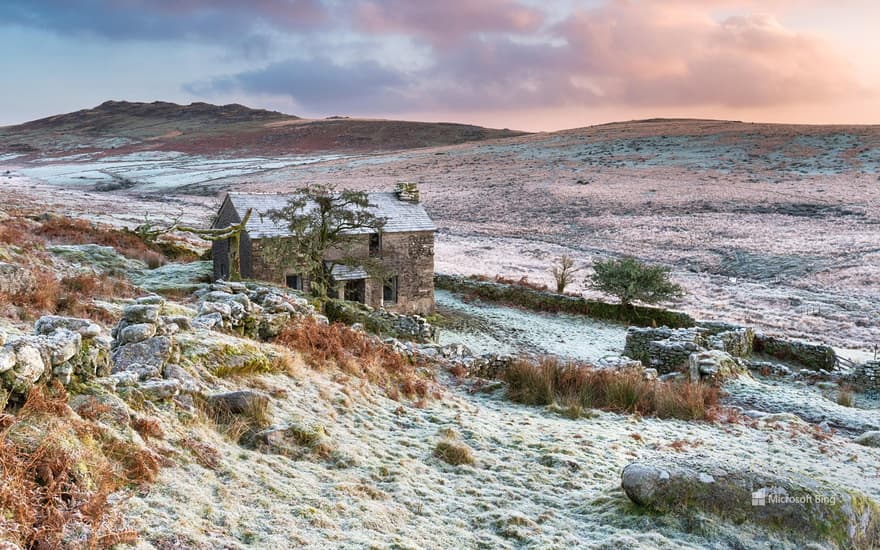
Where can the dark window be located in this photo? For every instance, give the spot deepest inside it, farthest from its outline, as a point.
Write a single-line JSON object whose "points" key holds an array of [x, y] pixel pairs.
{"points": [[355, 291], [294, 281], [375, 244], [389, 291]]}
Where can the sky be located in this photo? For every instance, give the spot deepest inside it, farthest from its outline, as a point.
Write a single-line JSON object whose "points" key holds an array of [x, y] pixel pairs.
{"points": [[524, 64]]}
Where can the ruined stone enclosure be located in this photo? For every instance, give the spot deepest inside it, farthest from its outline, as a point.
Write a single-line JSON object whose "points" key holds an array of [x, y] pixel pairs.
{"points": [[403, 251]]}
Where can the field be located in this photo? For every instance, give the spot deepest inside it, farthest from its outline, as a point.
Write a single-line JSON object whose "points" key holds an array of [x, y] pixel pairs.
{"points": [[772, 225]]}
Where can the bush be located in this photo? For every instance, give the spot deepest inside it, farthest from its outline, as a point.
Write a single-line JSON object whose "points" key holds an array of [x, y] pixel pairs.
{"points": [[574, 387], [71, 295], [355, 353], [629, 280], [563, 273]]}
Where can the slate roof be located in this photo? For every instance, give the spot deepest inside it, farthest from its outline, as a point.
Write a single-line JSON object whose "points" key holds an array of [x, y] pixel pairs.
{"points": [[342, 272], [400, 216]]}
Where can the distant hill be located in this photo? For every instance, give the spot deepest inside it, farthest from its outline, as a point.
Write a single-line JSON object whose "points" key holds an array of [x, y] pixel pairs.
{"points": [[202, 128]]}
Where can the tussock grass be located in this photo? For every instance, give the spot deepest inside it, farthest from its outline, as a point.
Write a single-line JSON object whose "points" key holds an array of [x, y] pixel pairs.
{"points": [[355, 353], [239, 425], [58, 472], [845, 396], [573, 388], [452, 450]]}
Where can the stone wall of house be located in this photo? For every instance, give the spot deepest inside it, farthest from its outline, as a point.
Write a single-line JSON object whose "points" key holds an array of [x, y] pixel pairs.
{"points": [[408, 255], [411, 257]]}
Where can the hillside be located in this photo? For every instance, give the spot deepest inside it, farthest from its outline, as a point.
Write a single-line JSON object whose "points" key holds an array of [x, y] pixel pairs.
{"points": [[122, 127], [233, 415]]}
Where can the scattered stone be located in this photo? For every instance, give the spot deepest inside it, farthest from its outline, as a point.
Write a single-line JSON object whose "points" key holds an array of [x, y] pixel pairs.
{"points": [[49, 323], [155, 351], [133, 334], [141, 313], [713, 366], [158, 390]]}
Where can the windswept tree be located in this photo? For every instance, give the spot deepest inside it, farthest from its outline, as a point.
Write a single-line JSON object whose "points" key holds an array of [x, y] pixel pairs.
{"points": [[563, 271], [631, 280], [320, 219]]}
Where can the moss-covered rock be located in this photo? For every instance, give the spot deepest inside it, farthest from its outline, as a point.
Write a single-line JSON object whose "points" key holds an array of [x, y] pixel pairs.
{"points": [[802, 508]]}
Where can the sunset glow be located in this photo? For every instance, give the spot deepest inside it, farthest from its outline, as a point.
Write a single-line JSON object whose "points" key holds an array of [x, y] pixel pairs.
{"points": [[505, 63]]}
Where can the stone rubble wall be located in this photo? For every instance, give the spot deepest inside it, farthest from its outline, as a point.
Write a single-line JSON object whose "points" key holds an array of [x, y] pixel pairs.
{"points": [[66, 349], [544, 300], [414, 328], [811, 355], [249, 309], [865, 376]]}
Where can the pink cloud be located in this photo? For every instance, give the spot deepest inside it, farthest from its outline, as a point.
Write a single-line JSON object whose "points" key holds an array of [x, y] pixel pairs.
{"points": [[666, 55], [446, 21]]}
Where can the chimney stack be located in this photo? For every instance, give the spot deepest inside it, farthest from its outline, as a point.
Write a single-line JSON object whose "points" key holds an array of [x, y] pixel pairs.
{"points": [[407, 191]]}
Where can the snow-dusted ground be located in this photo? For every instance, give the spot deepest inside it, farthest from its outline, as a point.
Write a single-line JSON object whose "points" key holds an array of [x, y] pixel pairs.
{"points": [[490, 328], [770, 225], [540, 480], [157, 171]]}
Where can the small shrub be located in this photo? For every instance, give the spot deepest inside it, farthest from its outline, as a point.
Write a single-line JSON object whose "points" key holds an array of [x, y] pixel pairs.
{"points": [[452, 451], [563, 272], [148, 427], [629, 280]]}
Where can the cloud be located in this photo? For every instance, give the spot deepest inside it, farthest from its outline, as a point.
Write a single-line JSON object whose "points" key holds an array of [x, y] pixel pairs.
{"points": [[446, 22], [634, 54], [214, 20], [319, 85]]}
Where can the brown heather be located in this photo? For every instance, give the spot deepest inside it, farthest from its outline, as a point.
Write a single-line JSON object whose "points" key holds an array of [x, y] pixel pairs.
{"points": [[58, 472], [575, 388], [355, 353]]}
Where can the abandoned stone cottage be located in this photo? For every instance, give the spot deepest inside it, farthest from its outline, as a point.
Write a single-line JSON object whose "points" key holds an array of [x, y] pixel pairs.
{"points": [[405, 248]]}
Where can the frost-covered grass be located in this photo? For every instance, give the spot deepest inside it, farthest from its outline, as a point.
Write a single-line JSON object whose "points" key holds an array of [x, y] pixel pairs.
{"points": [[538, 479], [491, 328]]}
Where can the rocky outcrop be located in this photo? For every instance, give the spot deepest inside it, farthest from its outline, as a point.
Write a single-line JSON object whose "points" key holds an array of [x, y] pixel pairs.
{"points": [[799, 506], [66, 349], [248, 310]]}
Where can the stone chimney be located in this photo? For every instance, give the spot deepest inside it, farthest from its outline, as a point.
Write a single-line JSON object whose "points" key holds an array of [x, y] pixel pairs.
{"points": [[407, 191]]}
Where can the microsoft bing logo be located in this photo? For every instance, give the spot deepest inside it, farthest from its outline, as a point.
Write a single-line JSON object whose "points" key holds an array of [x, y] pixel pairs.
{"points": [[759, 497]]}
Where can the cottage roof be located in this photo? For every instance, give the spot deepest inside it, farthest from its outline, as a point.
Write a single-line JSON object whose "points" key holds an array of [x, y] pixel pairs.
{"points": [[400, 216], [342, 272]]}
